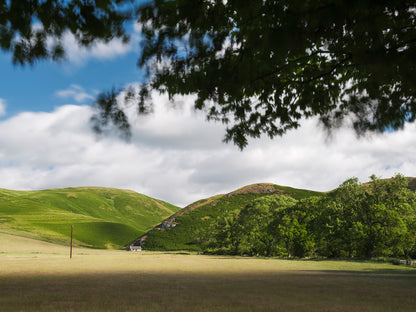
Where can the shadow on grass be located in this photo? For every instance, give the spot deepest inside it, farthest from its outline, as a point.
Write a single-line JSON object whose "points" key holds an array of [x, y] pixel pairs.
{"points": [[209, 291]]}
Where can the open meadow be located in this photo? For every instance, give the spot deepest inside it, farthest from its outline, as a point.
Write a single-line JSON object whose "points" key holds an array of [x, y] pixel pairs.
{"points": [[39, 276]]}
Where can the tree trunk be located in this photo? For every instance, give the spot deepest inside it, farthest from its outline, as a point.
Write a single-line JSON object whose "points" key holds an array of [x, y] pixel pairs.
{"points": [[288, 249], [270, 247], [370, 250]]}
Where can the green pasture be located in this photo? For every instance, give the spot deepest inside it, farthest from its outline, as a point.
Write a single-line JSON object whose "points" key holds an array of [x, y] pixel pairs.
{"points": [[102, 217], [39, 276]]}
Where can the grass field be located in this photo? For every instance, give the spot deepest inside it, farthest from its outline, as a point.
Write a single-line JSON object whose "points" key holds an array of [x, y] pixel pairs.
{"points": [[38, 276]]}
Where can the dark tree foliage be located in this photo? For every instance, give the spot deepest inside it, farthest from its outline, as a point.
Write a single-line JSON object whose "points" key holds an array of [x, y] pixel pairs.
{"points": [[260, 66], [376, 219], [32, 29], [109, 115]]}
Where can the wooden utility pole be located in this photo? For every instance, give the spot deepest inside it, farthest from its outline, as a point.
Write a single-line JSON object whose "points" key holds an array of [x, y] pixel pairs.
{"points": [[70, 252]]}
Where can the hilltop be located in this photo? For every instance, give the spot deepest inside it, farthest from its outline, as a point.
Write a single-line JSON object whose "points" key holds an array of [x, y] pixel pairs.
{"points": [[179, 231], [182, 230], [410, 180], [102, 217]]}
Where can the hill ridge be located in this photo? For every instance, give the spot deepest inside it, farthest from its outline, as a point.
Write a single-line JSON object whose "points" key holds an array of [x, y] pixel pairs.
{"points": [[103, 217], [171, 235]]}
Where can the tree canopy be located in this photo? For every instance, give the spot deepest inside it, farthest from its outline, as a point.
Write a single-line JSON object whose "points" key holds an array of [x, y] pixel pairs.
{"points": [[258, 66], [31, 29], [375, 219], [261, 66]]}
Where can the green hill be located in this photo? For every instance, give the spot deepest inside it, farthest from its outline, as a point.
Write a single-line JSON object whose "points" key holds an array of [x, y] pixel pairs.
{"points": [[410, 180], [102, 217], [179, 231]]}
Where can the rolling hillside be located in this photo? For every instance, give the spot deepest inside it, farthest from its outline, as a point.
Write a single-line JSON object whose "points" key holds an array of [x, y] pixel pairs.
{"points": [[179, 231], [112, 218], [102, 217]]}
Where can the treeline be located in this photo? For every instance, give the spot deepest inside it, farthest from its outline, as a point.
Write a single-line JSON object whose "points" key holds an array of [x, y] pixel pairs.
{"points": [[376, 219]]}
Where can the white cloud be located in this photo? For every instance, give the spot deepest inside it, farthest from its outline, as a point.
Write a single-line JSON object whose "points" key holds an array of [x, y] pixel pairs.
{"points": [[75, 92], [175, 155], [79, 55], [2, 107]]}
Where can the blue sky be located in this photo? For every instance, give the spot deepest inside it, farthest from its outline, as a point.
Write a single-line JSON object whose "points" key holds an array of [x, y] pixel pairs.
{"points": [[175, 154], [35, 87]]}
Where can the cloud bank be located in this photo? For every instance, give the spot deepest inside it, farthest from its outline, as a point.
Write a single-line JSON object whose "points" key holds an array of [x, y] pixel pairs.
{"points": [[79, 55], [177, 156]]}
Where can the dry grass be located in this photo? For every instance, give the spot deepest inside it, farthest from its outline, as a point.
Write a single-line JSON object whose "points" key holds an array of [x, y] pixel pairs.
{"points": [[45, 279]]}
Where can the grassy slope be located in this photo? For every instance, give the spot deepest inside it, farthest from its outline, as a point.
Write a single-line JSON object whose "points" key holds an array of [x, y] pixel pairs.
{"points": [[199, 215], [102, 217]]}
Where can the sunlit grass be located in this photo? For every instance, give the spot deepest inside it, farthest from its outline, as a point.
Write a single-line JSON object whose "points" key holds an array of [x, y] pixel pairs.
{"points": [[41, 277], [102, 217]]}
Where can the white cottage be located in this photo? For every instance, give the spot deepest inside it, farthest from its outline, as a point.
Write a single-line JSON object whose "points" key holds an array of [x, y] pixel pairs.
{"points": [[135, 248]]}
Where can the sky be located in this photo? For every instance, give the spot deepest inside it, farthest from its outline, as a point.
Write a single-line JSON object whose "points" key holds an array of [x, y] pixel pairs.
{"points": [[175, 155]]}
